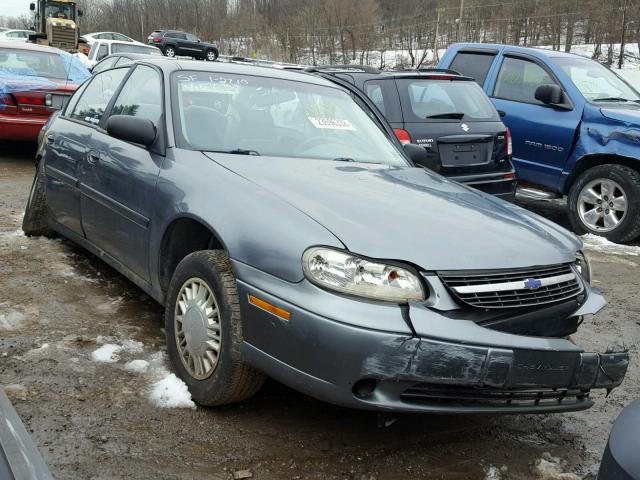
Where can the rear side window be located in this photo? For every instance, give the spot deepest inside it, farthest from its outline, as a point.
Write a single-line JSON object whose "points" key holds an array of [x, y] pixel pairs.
{"points": [[103, 51], [96, 96], [518, 80], [141, 96], [474, 65], [445, 100], [374, 92]]}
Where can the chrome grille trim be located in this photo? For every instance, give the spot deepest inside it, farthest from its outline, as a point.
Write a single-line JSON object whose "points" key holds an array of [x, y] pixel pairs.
{"points": [[502, 287], [508, 288]]}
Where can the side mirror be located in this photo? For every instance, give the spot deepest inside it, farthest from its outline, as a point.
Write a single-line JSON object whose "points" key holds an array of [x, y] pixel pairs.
{"points": [[132, 129], [502, 113], [80, 13], [32, 7], [419, 156], [549, 94]]}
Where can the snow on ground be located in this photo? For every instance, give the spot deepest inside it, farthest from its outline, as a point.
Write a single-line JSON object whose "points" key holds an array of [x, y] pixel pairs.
{"points": [[137, 366], [108, 353], [12, 320], [171, 392], [602, 245]]}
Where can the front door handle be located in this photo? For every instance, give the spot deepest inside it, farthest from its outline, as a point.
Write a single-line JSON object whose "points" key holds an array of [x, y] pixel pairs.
{"points": [[93, 158]]}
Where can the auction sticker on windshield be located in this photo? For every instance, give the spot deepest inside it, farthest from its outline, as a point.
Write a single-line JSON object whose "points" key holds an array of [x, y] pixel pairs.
{"points": [[331, 123]]}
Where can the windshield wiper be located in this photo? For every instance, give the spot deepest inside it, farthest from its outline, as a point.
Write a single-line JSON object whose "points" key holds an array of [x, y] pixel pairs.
{"points": [[612, 99], [343, 159], [243, 151], [453, 115]]}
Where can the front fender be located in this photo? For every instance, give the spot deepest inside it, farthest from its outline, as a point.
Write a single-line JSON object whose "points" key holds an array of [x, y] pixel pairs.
{"points": [[256, 227]]}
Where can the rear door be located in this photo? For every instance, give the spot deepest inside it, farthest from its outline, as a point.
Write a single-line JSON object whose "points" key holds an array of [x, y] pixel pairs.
{"points": [[119, 180], [454, 121], [542, 135], [68, 147]]}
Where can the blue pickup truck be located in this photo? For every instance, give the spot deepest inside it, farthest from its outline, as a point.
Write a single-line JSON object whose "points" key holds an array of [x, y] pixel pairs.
{"points": [[575, 127]]}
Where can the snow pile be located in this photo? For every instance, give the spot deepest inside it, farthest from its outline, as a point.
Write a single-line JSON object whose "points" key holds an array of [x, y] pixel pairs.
{"points": [[601, 244], [108, 353], [137, 366], [12, 320], [492, 473], [551, 468], [171, 392]]}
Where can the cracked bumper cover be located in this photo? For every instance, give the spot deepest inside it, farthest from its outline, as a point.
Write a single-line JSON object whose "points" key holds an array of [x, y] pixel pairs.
{"points": [[328, 359]]}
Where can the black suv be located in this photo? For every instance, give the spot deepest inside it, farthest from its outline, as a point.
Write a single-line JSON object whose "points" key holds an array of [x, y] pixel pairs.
{"points": [[175, 42], [445, 112]]}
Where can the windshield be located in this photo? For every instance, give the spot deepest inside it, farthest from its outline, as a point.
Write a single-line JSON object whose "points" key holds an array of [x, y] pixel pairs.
{"points": [[265, 116], [596, 82], [437, 100], [132, 48], [59, 10]]}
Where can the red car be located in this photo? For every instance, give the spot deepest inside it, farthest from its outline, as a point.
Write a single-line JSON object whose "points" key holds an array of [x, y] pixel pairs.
{"points": [[35, 81]]}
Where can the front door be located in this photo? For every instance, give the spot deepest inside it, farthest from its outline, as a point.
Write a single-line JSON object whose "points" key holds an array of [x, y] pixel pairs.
{"points": [[119, 180], [542, 135]]}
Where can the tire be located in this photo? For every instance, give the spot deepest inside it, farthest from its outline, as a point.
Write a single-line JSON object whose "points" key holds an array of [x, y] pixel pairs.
{"points": [[170, 51], [232, 379], [36, 218], [626, 183], [211, 55]]}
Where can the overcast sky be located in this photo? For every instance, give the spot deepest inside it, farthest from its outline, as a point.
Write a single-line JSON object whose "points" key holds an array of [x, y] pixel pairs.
{"points": [[11, 8]]}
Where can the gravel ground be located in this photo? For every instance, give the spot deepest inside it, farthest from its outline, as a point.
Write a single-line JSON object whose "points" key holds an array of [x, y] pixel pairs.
{"points": [[59, 304]]}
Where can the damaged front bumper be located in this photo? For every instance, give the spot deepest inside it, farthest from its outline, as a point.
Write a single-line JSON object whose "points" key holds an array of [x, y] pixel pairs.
{"points": [[423, 362]]}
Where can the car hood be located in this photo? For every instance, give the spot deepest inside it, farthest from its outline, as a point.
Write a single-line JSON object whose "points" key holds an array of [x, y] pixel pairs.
{"points": [[627, 114], [409, 214]]}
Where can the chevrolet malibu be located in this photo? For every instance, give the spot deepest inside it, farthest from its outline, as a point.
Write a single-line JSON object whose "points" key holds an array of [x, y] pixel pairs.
{"points": [[288, 234]]}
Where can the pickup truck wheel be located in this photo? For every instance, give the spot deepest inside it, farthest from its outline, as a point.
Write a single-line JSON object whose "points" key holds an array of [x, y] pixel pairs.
{"points": [[211, 56], [204, 330], [35, 221], [605, 200], [169, 51]]}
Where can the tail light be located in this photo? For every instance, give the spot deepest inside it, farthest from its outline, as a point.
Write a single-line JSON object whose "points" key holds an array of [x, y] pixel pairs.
{"points": [[509, 144], [157, 39], [402, 135], [30, 98]]}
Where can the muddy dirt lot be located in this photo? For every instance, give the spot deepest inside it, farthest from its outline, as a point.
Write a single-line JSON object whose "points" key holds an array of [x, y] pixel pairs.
{"points": [[100, 420]]}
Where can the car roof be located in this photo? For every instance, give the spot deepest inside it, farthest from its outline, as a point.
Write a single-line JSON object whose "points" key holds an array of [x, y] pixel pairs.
{"points": [[123, 42], [100, 33], [372, 72], [169, 65], [533, 51], [29, 46]]}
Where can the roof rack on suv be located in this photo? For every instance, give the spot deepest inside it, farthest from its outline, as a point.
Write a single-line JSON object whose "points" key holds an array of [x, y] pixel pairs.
{"points": [[342, 68]]}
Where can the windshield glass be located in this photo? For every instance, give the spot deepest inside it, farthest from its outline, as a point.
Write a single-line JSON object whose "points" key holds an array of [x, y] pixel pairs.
{"points": [[58, 10], [132, 48], [596, 82], [266, 116], [454, 100]]}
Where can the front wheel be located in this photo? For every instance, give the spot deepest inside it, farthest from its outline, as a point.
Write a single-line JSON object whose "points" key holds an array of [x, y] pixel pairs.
{"points": [[605, 201], [211, 56], [204, 330], [169, 51]]}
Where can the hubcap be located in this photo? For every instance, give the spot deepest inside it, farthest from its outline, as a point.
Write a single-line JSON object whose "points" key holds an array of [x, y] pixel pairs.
{"points": [[211, 56], [602, 205], [170, 52], [197, 328]]}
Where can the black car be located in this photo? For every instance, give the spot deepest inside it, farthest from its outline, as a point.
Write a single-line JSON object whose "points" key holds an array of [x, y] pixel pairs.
{"points": [[119, 60], [175, 42], [445, 112]]}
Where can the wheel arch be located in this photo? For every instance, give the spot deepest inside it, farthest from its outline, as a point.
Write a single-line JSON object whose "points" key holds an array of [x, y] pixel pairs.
{"points": [[592, 160], [182, 236]]}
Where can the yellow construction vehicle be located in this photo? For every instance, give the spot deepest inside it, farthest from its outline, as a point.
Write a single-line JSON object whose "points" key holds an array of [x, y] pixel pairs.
{"points": [[56, 24]]}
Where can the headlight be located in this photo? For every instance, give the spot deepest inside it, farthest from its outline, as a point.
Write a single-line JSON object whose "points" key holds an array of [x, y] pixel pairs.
{"points": [[353, 275], [583, 266]]}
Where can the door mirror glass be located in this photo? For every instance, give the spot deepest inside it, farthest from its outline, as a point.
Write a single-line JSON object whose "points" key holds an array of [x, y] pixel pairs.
{"points": [[132, 129], [419, 156], [549, 94]]}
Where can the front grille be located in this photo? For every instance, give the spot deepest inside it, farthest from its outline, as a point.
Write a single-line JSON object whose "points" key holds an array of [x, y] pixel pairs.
{"points": [[517, 288], [63, 37], [424, 393]]}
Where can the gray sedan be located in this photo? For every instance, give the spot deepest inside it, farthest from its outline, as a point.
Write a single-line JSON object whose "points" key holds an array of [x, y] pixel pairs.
{"points": [[288, 234]]}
